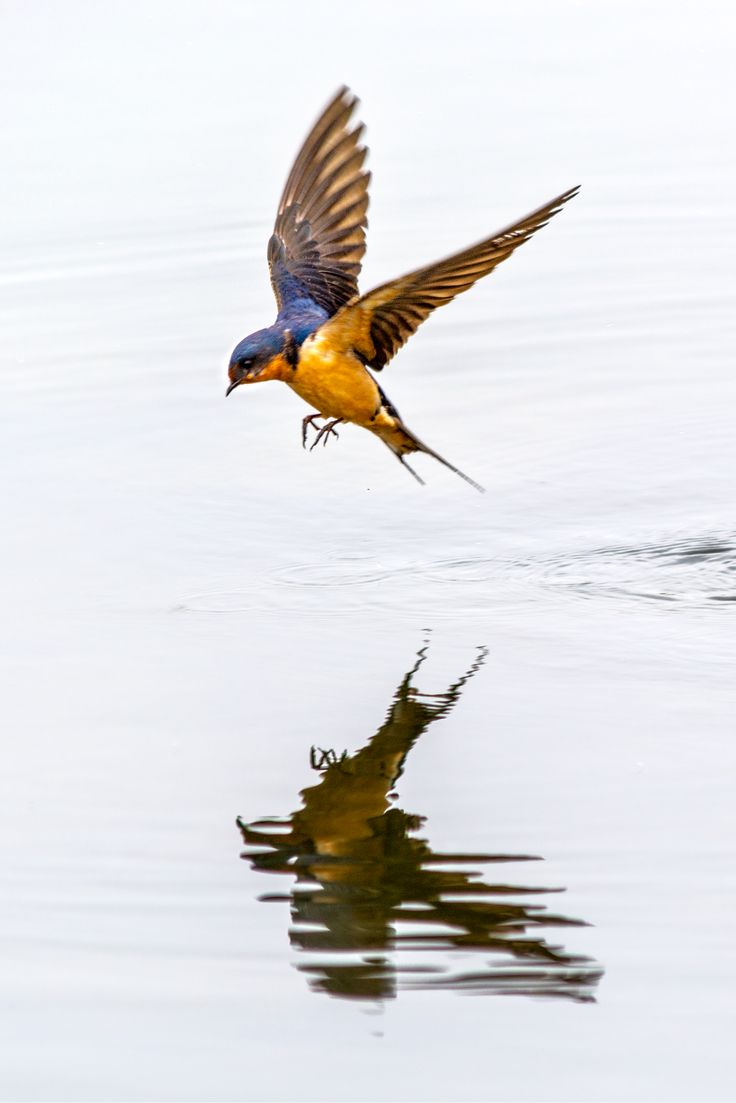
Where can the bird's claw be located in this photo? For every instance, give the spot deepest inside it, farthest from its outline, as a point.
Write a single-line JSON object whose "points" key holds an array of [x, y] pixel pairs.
{"points": [[326, 758], [306, 422], [325, 432]]}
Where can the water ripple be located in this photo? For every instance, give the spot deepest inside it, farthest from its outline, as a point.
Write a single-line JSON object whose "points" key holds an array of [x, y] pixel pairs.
{"points": [[696, 572], [691, 571]]}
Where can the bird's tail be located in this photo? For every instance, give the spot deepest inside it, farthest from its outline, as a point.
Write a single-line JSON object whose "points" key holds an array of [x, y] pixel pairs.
{"points": [[402, 441]]}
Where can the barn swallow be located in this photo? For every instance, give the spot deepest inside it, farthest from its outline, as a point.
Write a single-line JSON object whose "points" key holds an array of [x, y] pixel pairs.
{"points": [[327, 335]]}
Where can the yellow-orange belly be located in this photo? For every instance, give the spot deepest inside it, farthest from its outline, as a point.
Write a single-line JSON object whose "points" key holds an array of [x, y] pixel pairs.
{"points": [[334, 382]]}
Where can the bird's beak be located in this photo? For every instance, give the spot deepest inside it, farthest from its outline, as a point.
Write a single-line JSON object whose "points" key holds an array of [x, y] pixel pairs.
{"points": [[233, 385]]}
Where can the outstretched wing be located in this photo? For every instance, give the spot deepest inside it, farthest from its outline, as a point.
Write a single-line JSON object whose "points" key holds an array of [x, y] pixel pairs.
{"points": [[319, 235], [376, 325]]}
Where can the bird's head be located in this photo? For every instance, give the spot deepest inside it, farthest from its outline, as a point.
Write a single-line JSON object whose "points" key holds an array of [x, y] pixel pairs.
{"points": [[257, 358]]}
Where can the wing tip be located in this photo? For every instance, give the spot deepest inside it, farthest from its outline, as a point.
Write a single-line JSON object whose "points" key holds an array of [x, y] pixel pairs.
{"points": [[344, 94], [570, 193], [559, 201]]}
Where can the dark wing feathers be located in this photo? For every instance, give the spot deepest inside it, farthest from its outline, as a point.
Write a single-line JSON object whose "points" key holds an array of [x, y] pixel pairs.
{"points": [[319, 235], [392, 312]]}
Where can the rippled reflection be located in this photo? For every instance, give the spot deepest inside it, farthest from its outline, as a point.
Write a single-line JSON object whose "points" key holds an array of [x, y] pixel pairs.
{"points": [[375, 908]]}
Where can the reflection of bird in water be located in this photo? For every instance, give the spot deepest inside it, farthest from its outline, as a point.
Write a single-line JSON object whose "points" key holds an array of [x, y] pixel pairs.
{"points": [[367, 888]]}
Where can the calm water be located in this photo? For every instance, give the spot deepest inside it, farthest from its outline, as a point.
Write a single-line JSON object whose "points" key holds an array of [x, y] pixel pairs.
{"points": [[318, 784]]}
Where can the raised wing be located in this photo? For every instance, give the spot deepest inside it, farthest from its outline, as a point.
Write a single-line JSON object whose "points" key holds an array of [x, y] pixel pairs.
{"points": [[319, 235], [376, 325]]}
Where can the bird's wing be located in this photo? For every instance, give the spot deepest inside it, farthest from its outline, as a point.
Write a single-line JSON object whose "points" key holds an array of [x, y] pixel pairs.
{"points": [[377, 324], [319, 234]]}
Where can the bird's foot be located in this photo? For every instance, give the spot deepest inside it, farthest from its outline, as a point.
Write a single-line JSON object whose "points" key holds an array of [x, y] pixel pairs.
{"points": [[325, 759], [309, 420], [326, 431]]}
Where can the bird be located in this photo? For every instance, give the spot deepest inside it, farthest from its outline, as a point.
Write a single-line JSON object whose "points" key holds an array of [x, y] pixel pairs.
{"points": [[328, 338]]}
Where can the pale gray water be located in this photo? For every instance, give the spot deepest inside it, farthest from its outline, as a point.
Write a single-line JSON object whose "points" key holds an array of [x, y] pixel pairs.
{"points": [[191, 603]]}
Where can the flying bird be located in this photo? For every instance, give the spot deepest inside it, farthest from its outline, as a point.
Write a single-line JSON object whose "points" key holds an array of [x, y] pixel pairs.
{"points": [[327, 335]]}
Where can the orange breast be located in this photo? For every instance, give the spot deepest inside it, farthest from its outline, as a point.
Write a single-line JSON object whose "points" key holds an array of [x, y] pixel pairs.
{"points": [[334, 382]]}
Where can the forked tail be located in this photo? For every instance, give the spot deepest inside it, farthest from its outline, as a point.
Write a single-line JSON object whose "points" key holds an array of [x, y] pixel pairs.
{"points": [[402, 441]]}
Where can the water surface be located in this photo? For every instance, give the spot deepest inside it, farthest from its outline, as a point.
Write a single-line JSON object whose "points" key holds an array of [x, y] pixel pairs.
{"points": [[309, 770]]}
